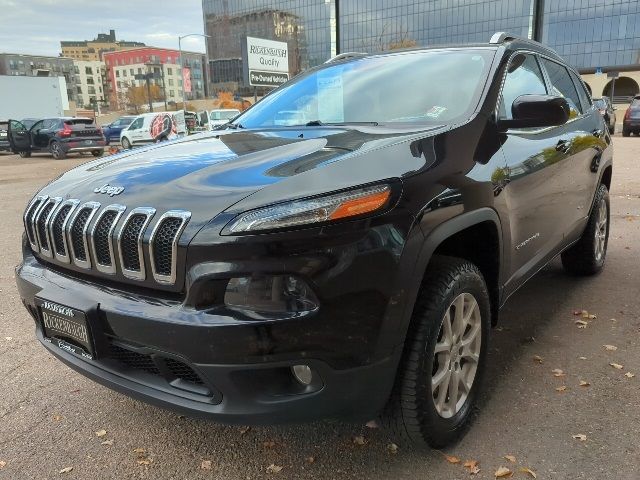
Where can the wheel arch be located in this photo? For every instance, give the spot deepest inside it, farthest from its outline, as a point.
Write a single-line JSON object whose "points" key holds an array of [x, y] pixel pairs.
{"points": [[453, 238]]}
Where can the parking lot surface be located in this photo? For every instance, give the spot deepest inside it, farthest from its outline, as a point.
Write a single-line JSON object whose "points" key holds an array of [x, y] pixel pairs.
{"points": [[54, 420]]}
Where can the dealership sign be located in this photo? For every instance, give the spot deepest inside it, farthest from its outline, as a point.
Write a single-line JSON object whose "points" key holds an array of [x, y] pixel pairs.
{"points": [[266, 62]]}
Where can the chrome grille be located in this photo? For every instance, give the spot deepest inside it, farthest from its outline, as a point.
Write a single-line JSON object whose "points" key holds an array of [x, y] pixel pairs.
{"points": [[90, 236]]}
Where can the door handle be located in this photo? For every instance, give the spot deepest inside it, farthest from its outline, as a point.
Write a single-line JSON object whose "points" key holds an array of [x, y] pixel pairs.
{"points": [[563, 146]]}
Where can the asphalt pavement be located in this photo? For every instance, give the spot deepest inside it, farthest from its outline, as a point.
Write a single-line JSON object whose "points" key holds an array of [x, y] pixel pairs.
{"points": [[54, 420]]}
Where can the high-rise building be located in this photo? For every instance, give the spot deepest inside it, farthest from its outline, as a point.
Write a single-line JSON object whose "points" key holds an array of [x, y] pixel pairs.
{"points": [[597, 37], [41, 66], [92, 50], [90, 85]]}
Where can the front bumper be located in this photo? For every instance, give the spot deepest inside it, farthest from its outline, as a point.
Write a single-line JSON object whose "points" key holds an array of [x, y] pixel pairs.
{"points": [[178, 368]]}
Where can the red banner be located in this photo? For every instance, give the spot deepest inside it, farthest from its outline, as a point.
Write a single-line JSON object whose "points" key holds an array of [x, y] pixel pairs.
{"points": [[186, 79]]}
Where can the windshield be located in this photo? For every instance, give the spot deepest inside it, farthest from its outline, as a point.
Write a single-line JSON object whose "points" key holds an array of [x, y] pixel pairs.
{"points": [[224, 115], [435, 86]]}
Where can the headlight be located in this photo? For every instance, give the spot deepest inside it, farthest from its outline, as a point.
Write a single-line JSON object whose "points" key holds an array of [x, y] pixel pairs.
{"points": [[270, 294], [314, 210]]}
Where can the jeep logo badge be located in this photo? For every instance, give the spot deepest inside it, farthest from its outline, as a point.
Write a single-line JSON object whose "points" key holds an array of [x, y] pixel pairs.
{"points": [[109, 190]]}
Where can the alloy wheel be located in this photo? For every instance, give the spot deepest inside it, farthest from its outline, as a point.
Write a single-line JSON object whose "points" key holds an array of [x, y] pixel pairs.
{"points": [[602, 224], [456, 355]]}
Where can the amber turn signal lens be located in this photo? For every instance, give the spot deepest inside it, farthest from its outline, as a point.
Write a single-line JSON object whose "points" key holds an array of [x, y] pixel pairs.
{"points": [[359, 206]]}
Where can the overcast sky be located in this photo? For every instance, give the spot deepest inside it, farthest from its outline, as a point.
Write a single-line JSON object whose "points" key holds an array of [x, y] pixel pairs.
{"points": [[37, 26]]}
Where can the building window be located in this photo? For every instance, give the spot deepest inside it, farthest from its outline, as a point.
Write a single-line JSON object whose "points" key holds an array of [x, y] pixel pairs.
{"points": [[88, 70], [90, 81], [131, 71], [91, 91], [117, 73], [139, 71], [171, 82], [12, 64], [124, 73], [169, 71], [171, 93]]}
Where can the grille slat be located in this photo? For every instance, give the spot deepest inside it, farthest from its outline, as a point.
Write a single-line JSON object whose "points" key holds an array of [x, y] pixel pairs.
{"points": [[58, 231], [101, 237], [29, 220], [41, 225], [77, 234], [129, 242]]}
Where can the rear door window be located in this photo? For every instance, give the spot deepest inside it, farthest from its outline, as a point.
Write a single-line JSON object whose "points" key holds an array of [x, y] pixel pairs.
{"points": [[524, 77], [585, 99], [562, 86], [136, 124]]}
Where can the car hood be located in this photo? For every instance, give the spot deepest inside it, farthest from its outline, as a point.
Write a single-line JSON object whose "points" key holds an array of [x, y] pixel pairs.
{"points": [[207, 173]]}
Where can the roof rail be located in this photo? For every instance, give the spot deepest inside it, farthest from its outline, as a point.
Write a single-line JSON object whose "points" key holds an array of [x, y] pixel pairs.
{"points": [[342, 56], [501, 37]]}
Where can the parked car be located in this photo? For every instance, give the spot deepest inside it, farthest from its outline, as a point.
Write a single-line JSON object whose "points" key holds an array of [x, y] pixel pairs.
{"points": [[58, 136], [5, 146], [631, 121], [350, 267], [608, 111], [112, 130], [152, 128], [221, 116]]}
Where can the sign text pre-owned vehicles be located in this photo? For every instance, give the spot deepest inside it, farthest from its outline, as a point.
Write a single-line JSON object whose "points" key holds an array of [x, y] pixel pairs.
{"points": [[348, 266]]}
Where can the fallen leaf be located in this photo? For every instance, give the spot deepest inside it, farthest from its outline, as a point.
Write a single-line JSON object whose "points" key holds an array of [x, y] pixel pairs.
{"points": [[244, 430], [560, 389], [511, 458], [310, 459], [585, 314], [393, 448], [372, 424], [503, 472], [577, 312], [612, 348], [529, 471], [205, 465], [584, 383], [451, 458], [101, 433], [617, 366], [139, 451], [107, 442], [57, 418], [592, 316], [629, 375], [274, 468], [2, 464], [268, 444], [537, 358], [579, 436], [581, 323], [65, 470], [359, 440], [470, 464], [144, 461], [582, 358], [557, 372]]}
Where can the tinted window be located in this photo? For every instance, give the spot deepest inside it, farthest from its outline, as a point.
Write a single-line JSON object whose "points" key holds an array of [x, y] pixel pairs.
{"points": [[524, 77], [137, 124], [582, 92], [413, 87], [600, 103], [79, 121], [38, 125], [563, 86]]}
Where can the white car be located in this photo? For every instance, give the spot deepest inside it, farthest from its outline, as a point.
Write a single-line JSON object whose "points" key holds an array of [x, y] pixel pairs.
{"points": [[152, 128], [221, 116]]}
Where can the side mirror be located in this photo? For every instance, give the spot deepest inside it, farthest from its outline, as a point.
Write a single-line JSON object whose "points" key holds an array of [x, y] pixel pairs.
{"points": [[537, 111]]}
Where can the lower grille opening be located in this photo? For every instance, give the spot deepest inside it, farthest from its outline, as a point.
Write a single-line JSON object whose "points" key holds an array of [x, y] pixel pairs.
{"points": [[134, 360], [183, 371]]}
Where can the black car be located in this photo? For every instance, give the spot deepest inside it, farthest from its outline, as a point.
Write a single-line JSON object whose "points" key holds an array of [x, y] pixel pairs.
{"points": [[631, 121], [351, 266], [608, 111], [58, 136], [4, 139]]}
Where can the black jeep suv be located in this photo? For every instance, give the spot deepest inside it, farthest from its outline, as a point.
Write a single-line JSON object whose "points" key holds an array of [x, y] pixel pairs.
{"points": [[350, 266], [58, 136]]}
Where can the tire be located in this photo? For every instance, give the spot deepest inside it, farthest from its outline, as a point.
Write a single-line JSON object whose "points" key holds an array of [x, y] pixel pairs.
{"points": [[56, 150], [587, 255], [97, 153], [126, 144], [25, 154], [412, 414], [612, 129], [625, 132]]}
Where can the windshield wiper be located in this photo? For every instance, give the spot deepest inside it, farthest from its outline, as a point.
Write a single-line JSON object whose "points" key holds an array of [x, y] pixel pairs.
{"points": [[318, 123]]}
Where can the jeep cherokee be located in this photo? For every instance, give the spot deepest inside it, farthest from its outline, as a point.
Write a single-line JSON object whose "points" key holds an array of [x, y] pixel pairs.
{"points": [[350, 266]]}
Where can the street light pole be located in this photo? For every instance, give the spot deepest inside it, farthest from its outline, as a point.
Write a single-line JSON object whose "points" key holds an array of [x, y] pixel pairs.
{"points": [[184, 100]]}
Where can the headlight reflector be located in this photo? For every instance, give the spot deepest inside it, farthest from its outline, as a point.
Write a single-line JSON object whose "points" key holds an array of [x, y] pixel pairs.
{"points": [[270, 294], [314, 210]]}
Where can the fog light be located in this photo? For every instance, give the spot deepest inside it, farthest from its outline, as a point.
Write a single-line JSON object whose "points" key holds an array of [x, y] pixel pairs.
{"points": [[270, 293], [303, 374]]}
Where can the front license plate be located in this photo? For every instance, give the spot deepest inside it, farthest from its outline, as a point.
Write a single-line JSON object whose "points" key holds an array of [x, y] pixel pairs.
{"points": [[66, 327]]}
